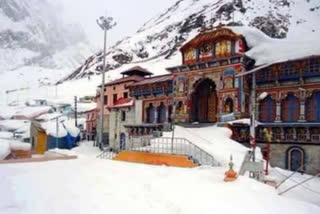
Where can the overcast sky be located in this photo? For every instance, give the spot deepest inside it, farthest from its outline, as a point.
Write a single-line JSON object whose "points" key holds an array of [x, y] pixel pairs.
{"points": [[129, 14]]}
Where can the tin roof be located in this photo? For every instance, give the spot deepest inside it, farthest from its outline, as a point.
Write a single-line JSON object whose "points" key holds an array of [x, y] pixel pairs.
{"points": [[155, 79]]}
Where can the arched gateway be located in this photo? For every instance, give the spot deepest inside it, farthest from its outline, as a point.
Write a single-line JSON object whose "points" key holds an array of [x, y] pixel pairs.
{"points": [[204, 101]]}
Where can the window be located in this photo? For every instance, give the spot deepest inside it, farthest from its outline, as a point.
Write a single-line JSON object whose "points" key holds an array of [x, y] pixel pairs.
{"points": [[123, 116], [125, 95], [115, 98], [228, 106], [106, 99], [290, 108], [267, 111], [114, 87], [313, 107]]}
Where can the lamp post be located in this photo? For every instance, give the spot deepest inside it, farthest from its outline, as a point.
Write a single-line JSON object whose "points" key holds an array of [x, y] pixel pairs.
{"points": [[105, 23], [253, 117]]}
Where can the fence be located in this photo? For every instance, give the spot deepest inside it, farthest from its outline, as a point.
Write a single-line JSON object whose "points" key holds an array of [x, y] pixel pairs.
{"points": [[165, 145]]}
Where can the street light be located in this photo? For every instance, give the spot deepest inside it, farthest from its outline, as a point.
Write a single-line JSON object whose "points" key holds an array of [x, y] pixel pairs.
{"points": [[105, 23]]}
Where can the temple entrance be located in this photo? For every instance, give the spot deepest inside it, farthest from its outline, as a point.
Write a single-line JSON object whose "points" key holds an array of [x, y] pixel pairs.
{"points": [[204, 102]]}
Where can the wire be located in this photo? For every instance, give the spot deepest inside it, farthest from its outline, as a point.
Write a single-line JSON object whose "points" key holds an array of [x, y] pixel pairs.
{"points": [[299, 182]]}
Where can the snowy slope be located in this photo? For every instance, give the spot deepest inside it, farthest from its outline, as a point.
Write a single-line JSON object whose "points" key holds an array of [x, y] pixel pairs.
{"points": [[161, 36], [36, 46]]}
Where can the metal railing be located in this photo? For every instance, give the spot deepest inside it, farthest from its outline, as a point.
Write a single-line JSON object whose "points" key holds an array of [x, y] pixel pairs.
{"points": [[166, 145]]}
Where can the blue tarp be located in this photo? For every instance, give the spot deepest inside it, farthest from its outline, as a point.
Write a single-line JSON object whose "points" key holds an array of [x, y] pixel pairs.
{"points": [[67, 142]]}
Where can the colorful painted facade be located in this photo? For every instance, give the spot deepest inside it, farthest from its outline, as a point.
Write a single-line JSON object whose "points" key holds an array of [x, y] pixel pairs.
{"points": [[209, 87]]}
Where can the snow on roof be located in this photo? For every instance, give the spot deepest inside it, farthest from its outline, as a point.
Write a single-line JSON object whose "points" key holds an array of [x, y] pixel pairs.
{"points": [[13, 125], [84, 107], [265, 50], [71, 128], [49, 116], [51, 129], [17, 145], [32, 112], [6, 135]]}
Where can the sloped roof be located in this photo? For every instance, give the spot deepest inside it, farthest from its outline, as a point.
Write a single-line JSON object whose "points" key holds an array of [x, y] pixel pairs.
{"points": [[155, 79], [122, 80], [208, 36], [123, 102], [137, 70]]}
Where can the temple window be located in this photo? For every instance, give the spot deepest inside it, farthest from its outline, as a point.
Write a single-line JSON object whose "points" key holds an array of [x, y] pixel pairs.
{"points": [[314, 65], [313, 107], [228, 106], [150, 113], [223, 49], [162, 112], [123, 116], [290, 108], [267, 111], [288, 70]]}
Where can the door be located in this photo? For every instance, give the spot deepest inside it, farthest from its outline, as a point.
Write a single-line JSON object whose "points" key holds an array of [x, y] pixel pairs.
{"points": [[41, 143], [295, 159], [122, 141]]}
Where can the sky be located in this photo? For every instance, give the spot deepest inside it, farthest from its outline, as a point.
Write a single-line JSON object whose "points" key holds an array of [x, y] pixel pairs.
{"points": [[129, 15]]}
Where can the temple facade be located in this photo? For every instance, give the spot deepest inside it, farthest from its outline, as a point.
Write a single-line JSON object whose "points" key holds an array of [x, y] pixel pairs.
{"points": [[214, 84]]}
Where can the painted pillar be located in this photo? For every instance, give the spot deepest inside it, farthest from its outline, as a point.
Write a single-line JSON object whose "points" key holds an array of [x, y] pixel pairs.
{"points": [[278, 111], [156, 114], [302, 117]]}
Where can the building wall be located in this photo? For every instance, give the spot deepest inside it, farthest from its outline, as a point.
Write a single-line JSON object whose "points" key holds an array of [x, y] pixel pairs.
{"points": [[110, 90], [117, 125], [279, 156]]}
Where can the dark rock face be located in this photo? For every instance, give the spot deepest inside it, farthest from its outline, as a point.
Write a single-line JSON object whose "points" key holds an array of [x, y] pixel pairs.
{"points": [[122, 58], [275, 27]]}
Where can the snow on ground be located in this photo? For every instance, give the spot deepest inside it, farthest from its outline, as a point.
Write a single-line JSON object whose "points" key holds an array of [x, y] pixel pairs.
{"points": [[88, 185], [217, 142], [86, 148], [309, 191]]}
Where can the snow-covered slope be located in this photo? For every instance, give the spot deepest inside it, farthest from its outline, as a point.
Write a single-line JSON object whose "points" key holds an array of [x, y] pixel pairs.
{"points": [[37, 45], [160, 38]]}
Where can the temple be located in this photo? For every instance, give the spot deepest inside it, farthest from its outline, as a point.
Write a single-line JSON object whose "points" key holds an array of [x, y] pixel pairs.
{"points": [[214, 84]]}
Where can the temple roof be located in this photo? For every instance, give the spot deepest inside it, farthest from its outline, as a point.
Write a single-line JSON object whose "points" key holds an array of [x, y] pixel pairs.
{"points": [[137, 70], [209, 36]]}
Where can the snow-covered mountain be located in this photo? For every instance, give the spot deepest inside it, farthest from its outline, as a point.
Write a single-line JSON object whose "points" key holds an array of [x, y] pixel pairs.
{"points": [[160, 38], [33, 35]]}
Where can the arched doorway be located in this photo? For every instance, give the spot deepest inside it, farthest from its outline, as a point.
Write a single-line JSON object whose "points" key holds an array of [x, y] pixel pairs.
{"points": [[204, 102], [295, 159], [122, 141]]}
